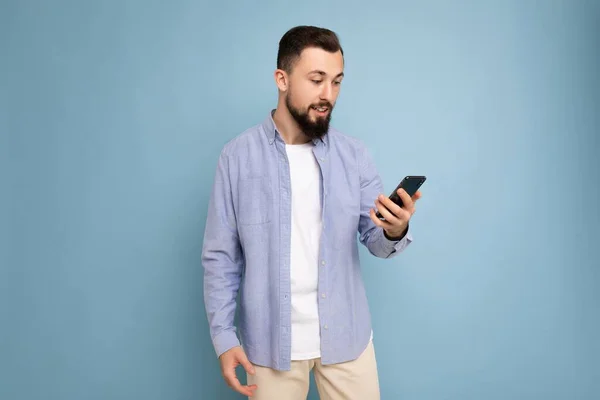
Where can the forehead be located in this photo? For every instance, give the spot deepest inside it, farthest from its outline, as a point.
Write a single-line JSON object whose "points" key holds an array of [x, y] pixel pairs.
{"points": [[314, 58]]}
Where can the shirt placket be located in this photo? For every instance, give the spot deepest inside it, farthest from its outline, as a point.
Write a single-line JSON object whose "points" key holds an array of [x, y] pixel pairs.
{"points": [[285, 206], [323, 287]]}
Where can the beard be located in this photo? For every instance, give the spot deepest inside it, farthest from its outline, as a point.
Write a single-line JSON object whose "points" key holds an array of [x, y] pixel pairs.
{"points": [[312, 129]]}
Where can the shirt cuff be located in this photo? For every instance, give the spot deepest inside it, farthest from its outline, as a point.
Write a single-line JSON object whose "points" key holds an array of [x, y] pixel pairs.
{"points": [[395, 246], [224, 341]]}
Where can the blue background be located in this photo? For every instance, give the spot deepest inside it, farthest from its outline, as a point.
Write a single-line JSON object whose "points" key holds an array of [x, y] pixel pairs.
{"points": [[114, 112]]}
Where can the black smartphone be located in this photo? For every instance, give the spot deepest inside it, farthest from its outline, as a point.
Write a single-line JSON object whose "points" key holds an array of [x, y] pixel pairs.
{"points": [[410, 184]]}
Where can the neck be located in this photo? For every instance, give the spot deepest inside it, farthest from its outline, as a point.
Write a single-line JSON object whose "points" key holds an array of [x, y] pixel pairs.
{"points": [[286, 125]]}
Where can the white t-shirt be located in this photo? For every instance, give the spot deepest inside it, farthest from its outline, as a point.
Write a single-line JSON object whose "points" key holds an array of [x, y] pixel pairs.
{"points": [[305, 237]]}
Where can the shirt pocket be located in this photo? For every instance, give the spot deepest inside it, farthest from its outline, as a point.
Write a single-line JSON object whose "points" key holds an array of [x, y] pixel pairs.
{"points": [[255, 201]]}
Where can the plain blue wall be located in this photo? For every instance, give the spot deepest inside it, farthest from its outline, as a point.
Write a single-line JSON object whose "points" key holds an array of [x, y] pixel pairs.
{"points": [[115, 113]]}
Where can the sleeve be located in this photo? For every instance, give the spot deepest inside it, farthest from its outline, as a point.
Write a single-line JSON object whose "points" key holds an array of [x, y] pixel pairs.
{"points": [[222, 261], [372, 236]]}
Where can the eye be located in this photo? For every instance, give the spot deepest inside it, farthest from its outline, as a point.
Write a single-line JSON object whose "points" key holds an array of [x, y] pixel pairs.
{"points": [[316, 81], [337, 83]]}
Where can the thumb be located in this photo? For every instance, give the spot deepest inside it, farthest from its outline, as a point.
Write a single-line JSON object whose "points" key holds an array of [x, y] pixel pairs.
{"points": [[245, 363]]}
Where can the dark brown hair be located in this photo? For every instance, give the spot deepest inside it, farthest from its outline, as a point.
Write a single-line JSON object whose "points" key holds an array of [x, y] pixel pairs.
{"points": [[294, 41]]}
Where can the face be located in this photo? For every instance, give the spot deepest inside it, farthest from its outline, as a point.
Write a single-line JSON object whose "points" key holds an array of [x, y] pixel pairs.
{"points": [[312, 90]]}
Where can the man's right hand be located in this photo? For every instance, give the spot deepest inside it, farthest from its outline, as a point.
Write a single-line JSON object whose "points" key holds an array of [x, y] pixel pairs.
{"points": [[229, 361]]}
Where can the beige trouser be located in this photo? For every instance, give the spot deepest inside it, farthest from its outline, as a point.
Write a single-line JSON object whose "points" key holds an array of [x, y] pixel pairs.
{"points": [[353, 380]]}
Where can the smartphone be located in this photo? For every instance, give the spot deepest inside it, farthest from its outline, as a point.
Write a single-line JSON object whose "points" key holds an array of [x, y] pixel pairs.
{"points": [[410, 184]]}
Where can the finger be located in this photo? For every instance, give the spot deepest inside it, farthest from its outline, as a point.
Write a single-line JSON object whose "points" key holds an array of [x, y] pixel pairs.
{"points": [[398, 216], [389, 204], [242, 359], [416, 196], [245, 390], [382, 224], [388, 215], [234, 383], [406, 200], [231, 379]]}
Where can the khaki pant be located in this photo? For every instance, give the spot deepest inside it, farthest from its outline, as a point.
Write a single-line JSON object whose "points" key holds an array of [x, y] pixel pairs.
{"points": [[353, 380]]}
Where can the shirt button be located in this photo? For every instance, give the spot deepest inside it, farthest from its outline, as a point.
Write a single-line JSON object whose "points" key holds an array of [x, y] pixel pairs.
{"points": [[323, 295], [323, 262], [326, 327]]}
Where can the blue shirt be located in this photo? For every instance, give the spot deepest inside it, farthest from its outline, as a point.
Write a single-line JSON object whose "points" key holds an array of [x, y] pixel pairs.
{"points": [[247, 246]]}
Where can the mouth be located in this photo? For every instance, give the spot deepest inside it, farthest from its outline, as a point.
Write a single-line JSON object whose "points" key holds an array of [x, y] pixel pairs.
{"points": [[320, 110]]}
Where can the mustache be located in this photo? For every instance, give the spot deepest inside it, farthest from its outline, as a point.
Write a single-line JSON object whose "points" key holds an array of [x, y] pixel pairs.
{"points": [[323, 104]]}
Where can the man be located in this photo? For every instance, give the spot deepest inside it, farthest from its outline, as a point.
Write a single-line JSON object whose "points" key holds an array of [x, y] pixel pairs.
{"points": [[290, 197]]}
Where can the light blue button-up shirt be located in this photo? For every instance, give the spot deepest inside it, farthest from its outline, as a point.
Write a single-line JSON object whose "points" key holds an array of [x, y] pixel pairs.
{"points": [[247, 246]]}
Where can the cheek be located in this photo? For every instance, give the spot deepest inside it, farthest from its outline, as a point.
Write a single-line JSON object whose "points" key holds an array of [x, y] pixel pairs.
{"points": [[296, 103], [305, 94], [301, 103]]}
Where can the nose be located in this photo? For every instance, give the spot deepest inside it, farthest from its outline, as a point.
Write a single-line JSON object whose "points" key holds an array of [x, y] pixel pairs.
{"points": [[327, 92]]}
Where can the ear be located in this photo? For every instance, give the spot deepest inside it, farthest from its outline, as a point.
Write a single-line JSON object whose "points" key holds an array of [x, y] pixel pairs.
{"points": [[281, 80]]}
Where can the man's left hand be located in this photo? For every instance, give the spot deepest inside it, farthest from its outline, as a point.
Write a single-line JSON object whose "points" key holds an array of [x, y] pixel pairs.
{"points": [[396, 220]]}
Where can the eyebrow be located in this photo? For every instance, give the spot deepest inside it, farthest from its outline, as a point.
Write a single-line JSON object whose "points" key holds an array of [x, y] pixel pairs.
{"points": [[317, 71]]}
